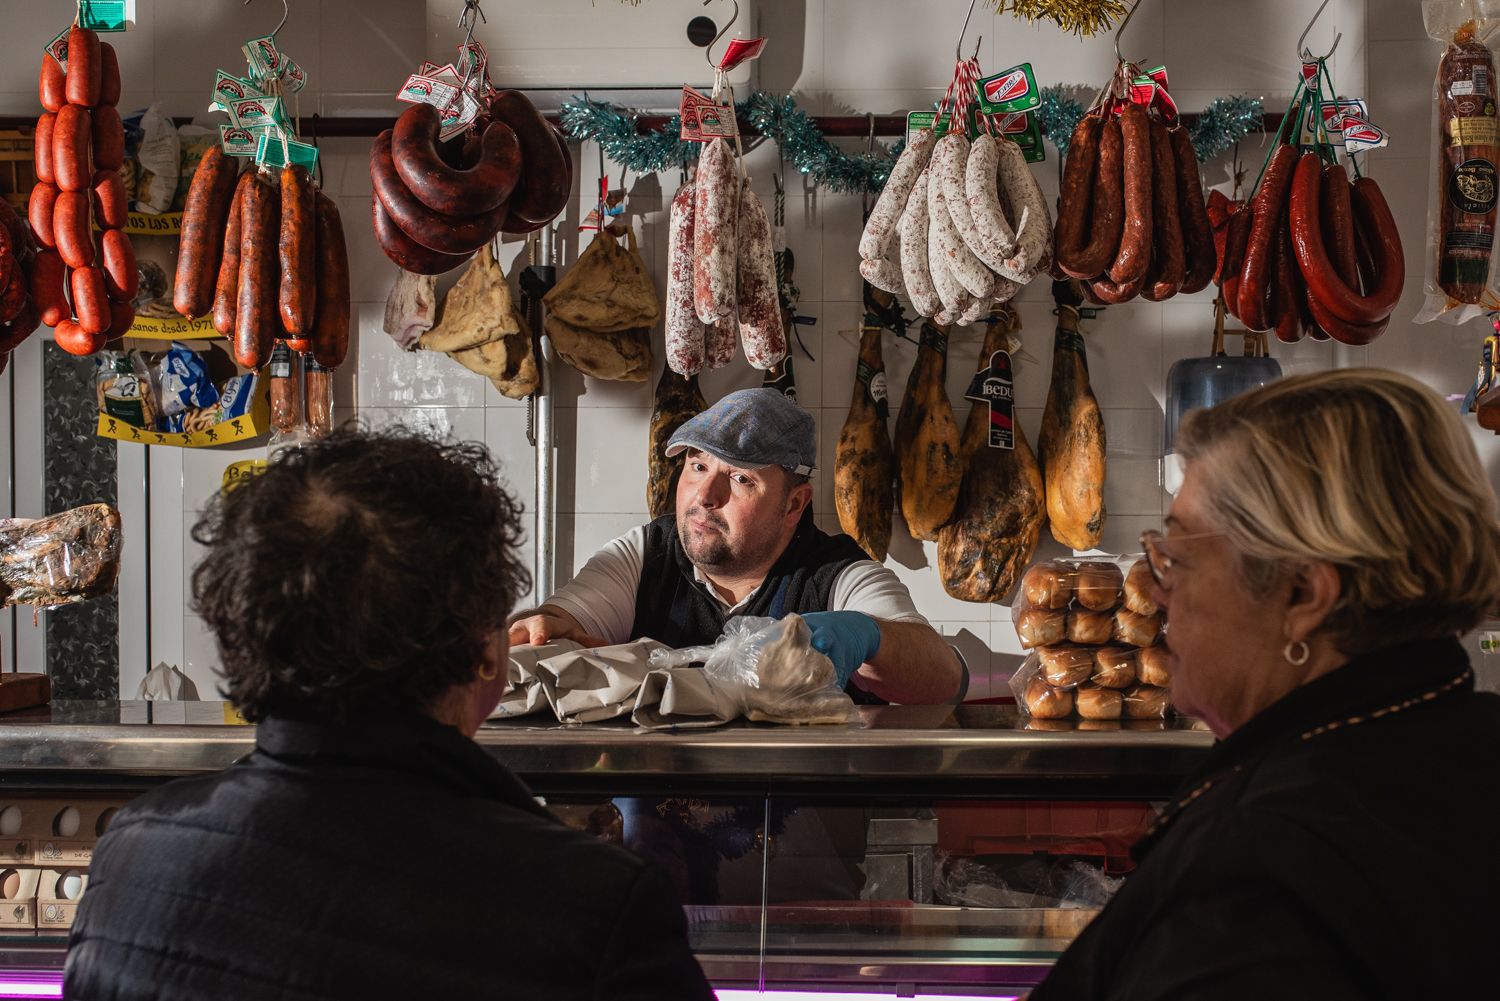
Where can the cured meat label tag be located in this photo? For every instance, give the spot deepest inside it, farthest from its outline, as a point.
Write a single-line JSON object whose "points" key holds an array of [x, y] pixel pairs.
{"points": [[230, 90], [875, 388], [741, 50], [58, 47], [271, 152], [1008, 91], [1025, 130], [923, 121], [996, 386], [239, 141], [935, 339], [263, 58], [106, 15], [703, 120]]}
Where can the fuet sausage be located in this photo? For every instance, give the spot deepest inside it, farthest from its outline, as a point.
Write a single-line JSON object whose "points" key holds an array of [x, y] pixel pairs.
{"points": [[1134, 255], [1197, 231], [1033, 221], [990, 236], [52, 84], [109, 138], [916, 272], [84, 68], [758, 304], [72, 137], [48, 287], [109, 75], [90, 300], [330, 331], [715, 206], [298, 297], [201, 244], [406, 253], [544, 184], [46, 128], [1336, 216], [1260, 249], [39, 211], [73, 339], [721, 342], [884, 223], [1373, 217], [884, 275], [444, 233], [450, 190], [227, 282], [121, 279], [952, 159], [1168, 264], [1076, 194], [950, 292], [72, 229], [255, 308], [110, 204], [684, 331], [1107, 214], [945, 173]]}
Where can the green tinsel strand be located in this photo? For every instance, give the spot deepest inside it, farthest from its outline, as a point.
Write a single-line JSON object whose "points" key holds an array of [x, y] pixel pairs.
{"points": [[614, 130], [803, 144], [1223, 123]]}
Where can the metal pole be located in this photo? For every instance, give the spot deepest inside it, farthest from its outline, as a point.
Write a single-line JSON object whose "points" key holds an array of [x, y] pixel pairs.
{"points": [[546, 494]]}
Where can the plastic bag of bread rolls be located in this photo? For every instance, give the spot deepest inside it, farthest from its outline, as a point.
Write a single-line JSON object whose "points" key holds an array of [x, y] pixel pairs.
{"points": [[1094, 634]]}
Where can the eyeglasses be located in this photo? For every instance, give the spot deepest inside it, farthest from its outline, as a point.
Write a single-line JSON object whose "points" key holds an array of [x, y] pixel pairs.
{"points": [[1159, 560]]}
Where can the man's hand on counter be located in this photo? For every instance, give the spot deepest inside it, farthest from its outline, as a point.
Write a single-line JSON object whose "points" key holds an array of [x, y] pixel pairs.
{"points": [[847, 638], [546, 624]]}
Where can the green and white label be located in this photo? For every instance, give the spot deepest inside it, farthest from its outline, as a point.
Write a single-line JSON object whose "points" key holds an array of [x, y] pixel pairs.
{"points": [[923, 121], [1008, 91], [106, 15], [272, 151]]}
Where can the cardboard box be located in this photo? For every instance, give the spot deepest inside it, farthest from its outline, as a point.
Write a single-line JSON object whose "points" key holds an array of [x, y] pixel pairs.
{"points": [[55, 910], [18, 911], [52, 832]]}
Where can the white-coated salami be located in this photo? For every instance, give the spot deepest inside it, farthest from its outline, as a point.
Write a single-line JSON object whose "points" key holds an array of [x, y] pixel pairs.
{"points": [[977, 311], [968, 270], [916, 274], [883, 274], [995, 239], [684, 331], [880, 229], [715, 205], [954, 297], [953, 153], [721, 342], [1033, 220], [759, 308]]}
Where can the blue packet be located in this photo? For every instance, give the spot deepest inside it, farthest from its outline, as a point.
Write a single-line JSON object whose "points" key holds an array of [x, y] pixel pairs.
{"points": [[237, 397], [184, 381]]}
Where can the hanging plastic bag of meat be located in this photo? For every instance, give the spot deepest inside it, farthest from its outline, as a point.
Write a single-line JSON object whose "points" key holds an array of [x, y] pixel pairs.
{"points": [[61, 559]]}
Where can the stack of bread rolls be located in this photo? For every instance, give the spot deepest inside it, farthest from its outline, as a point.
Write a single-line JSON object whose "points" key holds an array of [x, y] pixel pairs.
{"points": [[1095, 634]]}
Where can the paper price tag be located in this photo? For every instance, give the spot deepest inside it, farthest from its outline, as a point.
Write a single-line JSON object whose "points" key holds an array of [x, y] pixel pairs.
{"points": [[741, 50], [422, 88], [995, 385], [703, 120], [1489, 643], [58, 47], [239, 141], [1359, 135], [1008, 91], [257, 112], [228, 89], [271, 151]]}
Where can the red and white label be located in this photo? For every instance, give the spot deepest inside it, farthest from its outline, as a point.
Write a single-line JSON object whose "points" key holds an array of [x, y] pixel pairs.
{"points": [[741, 50], [1008, 87]]}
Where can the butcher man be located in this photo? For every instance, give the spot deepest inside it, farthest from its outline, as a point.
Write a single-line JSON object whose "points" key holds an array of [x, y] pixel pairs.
{"points": [[743, 542]]}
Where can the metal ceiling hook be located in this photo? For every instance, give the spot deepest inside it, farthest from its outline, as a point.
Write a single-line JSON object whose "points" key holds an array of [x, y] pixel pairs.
{"points": [[1305, 53], [708, 53], [1121, 29], [285, 13], [958, 49]]}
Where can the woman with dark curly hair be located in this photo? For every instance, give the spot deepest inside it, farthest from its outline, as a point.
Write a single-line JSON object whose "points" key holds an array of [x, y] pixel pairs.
{"points": [[359, 591]]}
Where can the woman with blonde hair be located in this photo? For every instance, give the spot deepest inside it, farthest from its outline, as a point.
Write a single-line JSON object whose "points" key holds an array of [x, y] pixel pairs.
{"points": [[1334, 537]]}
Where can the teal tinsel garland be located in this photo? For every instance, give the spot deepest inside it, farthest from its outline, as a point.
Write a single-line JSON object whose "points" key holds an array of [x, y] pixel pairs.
{"points": [[1058, 116], [614, 130], [803, 144], [1223, 123]]}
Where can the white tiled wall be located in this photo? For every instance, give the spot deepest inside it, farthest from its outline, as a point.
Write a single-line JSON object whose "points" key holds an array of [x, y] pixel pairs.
{"points": [[838, 56]]}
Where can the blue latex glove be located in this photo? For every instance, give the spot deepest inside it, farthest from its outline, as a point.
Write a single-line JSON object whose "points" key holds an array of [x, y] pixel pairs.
{"points": [[848, 639]]}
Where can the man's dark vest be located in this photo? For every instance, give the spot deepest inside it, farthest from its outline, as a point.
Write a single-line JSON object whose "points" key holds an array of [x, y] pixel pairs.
{"points": [[673, 608]]}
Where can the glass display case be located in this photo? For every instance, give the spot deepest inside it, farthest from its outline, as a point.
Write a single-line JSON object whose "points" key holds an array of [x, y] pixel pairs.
{"points": [[924, 851]]}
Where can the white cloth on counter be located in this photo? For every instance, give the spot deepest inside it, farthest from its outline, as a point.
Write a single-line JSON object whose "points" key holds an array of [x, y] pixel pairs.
{"points": [[601, 596]]}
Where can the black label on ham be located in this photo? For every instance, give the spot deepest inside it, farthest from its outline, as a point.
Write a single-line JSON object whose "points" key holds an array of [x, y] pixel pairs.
{"points": [[995, 385]]}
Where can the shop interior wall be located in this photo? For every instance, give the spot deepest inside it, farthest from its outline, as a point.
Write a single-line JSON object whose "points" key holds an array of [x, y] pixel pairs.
{"points": [[838, 57]]}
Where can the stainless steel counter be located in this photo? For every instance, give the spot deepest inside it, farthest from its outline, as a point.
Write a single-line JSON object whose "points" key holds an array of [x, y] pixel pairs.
{"points": [[968, 750]]}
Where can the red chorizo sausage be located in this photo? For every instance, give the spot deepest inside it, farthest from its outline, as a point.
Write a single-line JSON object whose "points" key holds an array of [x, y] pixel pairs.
{"points": [[1113, 293], [49, 287], [330, 332], [84, 68], [1336, 216], [406, 253], [1332, 294], [1235, 237], [1134, 254], [227, 284], [110, 204], [433, 230], [1198, 232], [39, 212], [1287, 297], [1107, 212], [121, 319], [446, 189], [543, 188], [1076, 192], [46, 128], [72, 229], [72, 139], [201, 244], [52, 84], [73, 339], [121, 279], [20, 241], [109, 75], [255, 308], [109, 139], [1168, 264], [1260, 249], [90, 299], [294, 246]]}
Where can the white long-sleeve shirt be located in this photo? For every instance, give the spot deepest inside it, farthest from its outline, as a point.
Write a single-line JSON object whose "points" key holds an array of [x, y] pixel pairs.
{"points": [[601, 597]]}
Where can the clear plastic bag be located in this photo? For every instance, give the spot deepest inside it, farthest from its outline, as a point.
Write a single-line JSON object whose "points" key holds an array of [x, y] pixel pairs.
{"points": [[60, 559], [768, 669]]}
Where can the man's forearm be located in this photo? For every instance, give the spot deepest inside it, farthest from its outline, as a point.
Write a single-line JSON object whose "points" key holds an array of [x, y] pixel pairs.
{"points": [[914, 666]]}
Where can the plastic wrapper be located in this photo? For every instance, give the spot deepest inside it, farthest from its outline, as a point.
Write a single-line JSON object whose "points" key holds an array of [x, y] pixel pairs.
{"points": [[1094, 633], [160, 162], [60, 559], [195, 142], [318, 390], [123, 388], [1461, 280], [183, 381], [285, 390], [236, 398], [768, 669]]}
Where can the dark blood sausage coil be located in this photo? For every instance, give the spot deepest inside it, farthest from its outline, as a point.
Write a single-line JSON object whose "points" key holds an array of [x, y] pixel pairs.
{"points": [[1075, 196], [298, 295], [48, 287], [109, 139], [17, 229], [1110, 293], [90, 300], [84, 68], [72, 229], [72, 137], [433, 230], [39, 212], [13, 297], [255, 307], [1468, 155], [1197, 230], [52, 84], [121, 279], [16, 330], [1336, 216], [46, 128], [110, 205], [1236, 235], [109, 78], [1378, 228], [446, 189], [330, 331], [1168, 252], [544, 185], [406, 253], [227, 285], [201, 244], [1134, 254], [1107, 211], [1260, 249]]}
